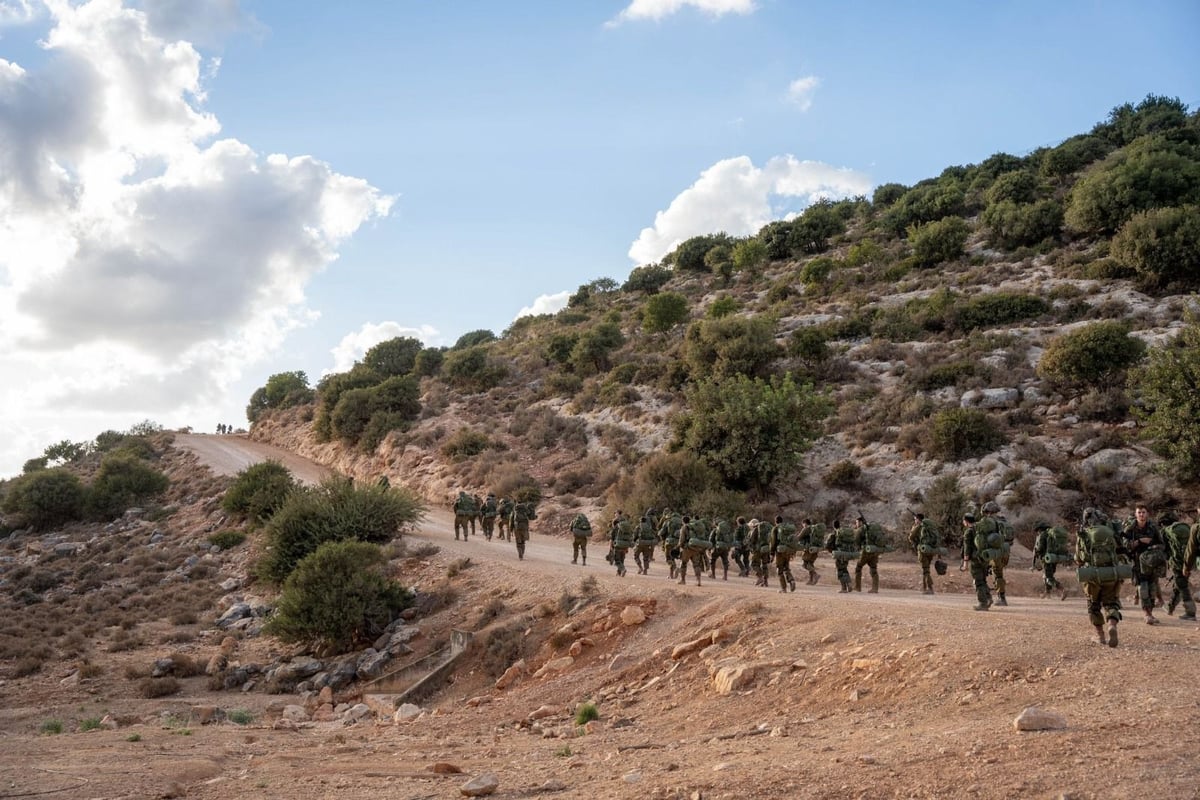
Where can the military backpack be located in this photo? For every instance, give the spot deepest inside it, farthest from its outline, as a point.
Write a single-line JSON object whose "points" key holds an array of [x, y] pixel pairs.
{"points": [[785, 538], [581, 527], [1098, 551]]}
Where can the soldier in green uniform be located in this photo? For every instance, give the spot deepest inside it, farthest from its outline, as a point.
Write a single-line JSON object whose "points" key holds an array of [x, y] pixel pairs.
{"points": [[522, 513], [840, 542], [741, 547], [1176, 534], [668, 531], [1097, 551], [504, 519], [581, 531], [1145, 545], [759, 543], [977, 556], [620, 534], [783, 546], [644, 544], [812, 540], [722, 539], [693, 544], [926, 541], [1050, 548], [1191, 552], [489, 509], [870, 541], [997, 535], [464, 514]]}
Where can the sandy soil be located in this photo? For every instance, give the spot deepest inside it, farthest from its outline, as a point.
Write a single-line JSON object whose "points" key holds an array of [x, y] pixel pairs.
{"points": [[889, 695]]}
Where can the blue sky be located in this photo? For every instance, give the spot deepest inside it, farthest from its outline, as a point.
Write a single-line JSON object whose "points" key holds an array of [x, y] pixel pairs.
{"points": [[196, 194]]}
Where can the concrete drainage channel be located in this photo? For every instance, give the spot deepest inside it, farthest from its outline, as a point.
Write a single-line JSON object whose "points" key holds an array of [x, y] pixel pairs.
{"points": [[416, 680]]}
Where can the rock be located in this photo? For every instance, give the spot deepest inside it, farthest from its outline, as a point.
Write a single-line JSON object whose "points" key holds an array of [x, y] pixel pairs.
{"points": [[866, 663], [632, 777], [619, 662], [555, 665], [731, 678], [443, 768], [633, 615], [479, 700], [109, 723], [687, 648], [295, 713], [203, 715], [372, 664], [991, 398], [480, 785], [542, 712], [552, 785], [357, 713], [406, 712], [576, 648], [1039, 719], [510, 675]]}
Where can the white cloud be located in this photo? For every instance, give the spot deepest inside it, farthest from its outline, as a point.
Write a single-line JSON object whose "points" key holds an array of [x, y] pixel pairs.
{"points": [[203, 23], [738, 198], [545, 304], [355, 344], [143, 264], [800, 92], [660, 9], [16, 12]]}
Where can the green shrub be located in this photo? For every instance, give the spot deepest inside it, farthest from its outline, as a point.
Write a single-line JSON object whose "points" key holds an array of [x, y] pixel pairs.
{"points": [[1073, 155], [730, 346], [464, 443], [749, 255], [1091, 355], [429, 361], [396, 356], [259, 491], [689, 255], [1011, 225], [723, 306], [586, 713], [46, 498], [227, 539], [89, 724], [1018, 187], [959, 433], [473, 369], [940, 375], [842, 475], [559, 346], [282, 390], [817, 270], [936, 242], [592, 352], [330, 391], [1162, 247], [993, 309], [649, 279], [945, 503], [338, 596], [122, 482], [240, 716], [664, 311], [1170, 405], [52, 727]]}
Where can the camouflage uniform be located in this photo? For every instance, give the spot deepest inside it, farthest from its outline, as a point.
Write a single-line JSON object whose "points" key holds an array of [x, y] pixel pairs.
{"points": [[647, 539], [870, 542], [976, 549], [1145, 545], [1050, 547], [1176, 535], [1191, 552], [741, 548], [722, 540], [464, 514], [926, 541], [1098, 546], [488, 511], [992, 528], [581, 530], [504, 520], [693, 543], [668, 531], [759, 543], [812, 539], [840, 542], [521, 515], [620, 534], [783, 546]]}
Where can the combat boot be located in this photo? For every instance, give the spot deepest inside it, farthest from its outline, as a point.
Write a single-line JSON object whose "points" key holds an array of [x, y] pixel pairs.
{"points": [[1171, 606], [585, 561], [874, 585], [1189, 611], [1002, 600], [1100, 635], [1112, 633], [845, 586], [672, 575], [1065, 593], [725, 574], [858, 581]]}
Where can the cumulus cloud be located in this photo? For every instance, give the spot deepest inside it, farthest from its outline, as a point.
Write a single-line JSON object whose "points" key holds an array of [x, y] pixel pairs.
{"points": [[736, 197], [144, 262], [16, 12], [355, 344], [545, 304], [657, 10], [201, 23], [800, 92]]}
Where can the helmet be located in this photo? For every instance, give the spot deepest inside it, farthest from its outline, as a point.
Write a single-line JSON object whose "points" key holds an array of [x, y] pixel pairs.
{"points": [[1094, 516], [1041, 526], [991, 507]]}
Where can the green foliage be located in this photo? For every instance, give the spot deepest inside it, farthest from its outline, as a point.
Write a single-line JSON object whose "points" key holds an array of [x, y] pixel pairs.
{"points": [[52, 727], [928, 201], [46, 499], [591, 353], [337, 597], [810, 344], [330, 391], [1162, 246], [813, 229], [122, 482], [959, 433], [282, 390], [723, 306], [719, 260], [689, 256], [429, 361], [887, 193], [396, 356], [559, 346], [465, 443], [1154, 114], [865, 252], [1013, 187], [350, 416], [842, 475], [586, 713], [474, 339], [227, 539], [664, 311], [935, 242], [649, 279], [240, 716], [993, 309], [66, 452], [668, 480], [1169, 389], [1092, 355], [775, 237], [750, 430], [817, 270], [473, 369], [1152, 172], [89, 724], [940, 375], [259, 491], [34, 464], [1073, 155], [749, 255], [1011, 225], [337, 510], [730, 346], [945, 503]]}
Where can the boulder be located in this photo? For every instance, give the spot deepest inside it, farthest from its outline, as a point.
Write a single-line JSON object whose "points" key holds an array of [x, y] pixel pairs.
{"points": [[1039, 719], [633, 615], [481, 785]]}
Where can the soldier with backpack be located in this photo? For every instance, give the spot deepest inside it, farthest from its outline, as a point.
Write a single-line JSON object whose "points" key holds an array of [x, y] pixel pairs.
{"points": [[840, 542], [722, 540], [783, 545], [504, 519], [870, 541], [1191, 552], [926, 541], [759, 544], [741, 547], [464, 514], [1050, 548], [1144, 542], [620, 534], [522, 513], [811, 541], [998, 535], [644, 544], [1097, 552], [693, 545], [977, 551], [668, 532], [581, 531], [1176, 534], [489, 509]]}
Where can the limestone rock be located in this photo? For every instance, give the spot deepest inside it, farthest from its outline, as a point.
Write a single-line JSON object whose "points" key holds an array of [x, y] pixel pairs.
{"points": [[687, 648], [510, 675], [406, 712], [1039, 719], [555, 665], [481, 785], [732, 678], [633, 615], [543, 712]]}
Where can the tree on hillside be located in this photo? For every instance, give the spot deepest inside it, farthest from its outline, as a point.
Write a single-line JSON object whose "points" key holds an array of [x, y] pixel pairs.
{"points": [[396, 356], [750, 430], [664, 311], [282, 390], [474, 338], [1163, 247], [1092, 356], [1168, 389], [730, 346], [46, 498]]}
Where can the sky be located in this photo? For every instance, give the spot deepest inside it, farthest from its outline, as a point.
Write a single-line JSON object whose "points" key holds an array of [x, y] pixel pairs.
{"points": [[198, 194]]}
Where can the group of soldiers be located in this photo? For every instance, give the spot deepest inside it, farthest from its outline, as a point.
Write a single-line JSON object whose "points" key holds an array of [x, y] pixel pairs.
{"points": [[1106, 552], [506, 519]]}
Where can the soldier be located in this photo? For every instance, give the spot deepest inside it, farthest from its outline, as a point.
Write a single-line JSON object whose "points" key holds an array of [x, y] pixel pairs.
{"points": [[620, 534], [504, 519], [1050, 547], [812, 539], [693, 543], [759, 543], [1191, 553], [926, 541], [489, 509], [976, 555], [840, 542], [581, 531], [741, 548], [1176, 535], [668, 531], [1096, 552], [464, 515], [722, 539], [783, 546], [870, 541], [1145, 545], [521, 515], [997, 533], [646, 541]]}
